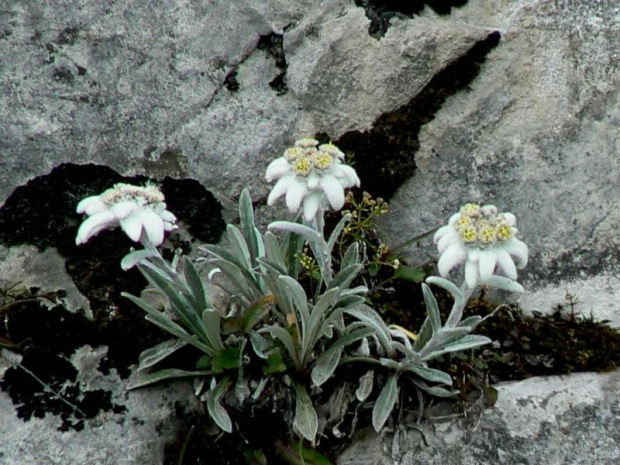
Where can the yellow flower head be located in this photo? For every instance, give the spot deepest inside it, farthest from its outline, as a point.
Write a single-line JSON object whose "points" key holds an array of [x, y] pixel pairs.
{"points": [[302, 166], [322, 160], [504, 232], [292, 154], [148, 194], [487, 234], [332, 150], [471, 209], [468, 234], [483, 226], [463, 222]]}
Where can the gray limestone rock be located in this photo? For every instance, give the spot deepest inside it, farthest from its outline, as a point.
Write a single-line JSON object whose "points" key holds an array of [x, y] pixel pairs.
{"points": [[557, 420], [136, 436], [537, 134], [118, 85], [335, 72], [214, 90]]}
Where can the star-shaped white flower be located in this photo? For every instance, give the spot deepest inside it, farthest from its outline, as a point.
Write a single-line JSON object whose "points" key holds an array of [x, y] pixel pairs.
{"points": [[139, 211], [484, 240], [307, 174]]}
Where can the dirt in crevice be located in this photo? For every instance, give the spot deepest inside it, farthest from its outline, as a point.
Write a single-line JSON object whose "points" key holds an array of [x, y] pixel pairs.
{"points": [[273, 45]]}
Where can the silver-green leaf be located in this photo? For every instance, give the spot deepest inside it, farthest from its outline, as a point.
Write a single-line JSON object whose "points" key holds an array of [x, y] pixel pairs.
{"points": [[216, 410], [385, 403], [325, 366], [365, 387], [146, 379], [306, 420], [156, 354]]}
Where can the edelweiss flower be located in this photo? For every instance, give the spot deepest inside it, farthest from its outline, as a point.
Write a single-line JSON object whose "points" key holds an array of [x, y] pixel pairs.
{"points": [[307, 174], [482, 238], [136, 209]]}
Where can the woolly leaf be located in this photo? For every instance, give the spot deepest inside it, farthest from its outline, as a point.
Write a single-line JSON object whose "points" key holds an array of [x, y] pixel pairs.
{"points": [[133, 258], [365, 387], [432, 308], [503, 283], [325, 366], [431, 374], [306, 420], [146, 379], [156, 354], [195, 283], [216, 410], [385, 403]]}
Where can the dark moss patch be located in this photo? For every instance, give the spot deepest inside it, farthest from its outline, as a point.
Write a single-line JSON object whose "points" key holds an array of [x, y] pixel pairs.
{"points": [[380, 12], [524, 346], [42, 213], [272, 44], [257, 428], [45, 382], [95, 269], [196, 207], [550, 344], [68, 36], [63, 74], [384, 155], [231, 82], [555, 343]]}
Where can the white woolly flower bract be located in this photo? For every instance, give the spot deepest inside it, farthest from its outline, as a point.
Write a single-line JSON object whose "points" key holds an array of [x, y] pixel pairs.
{"points": [[484, 240], [139, 211], [307, 173]]}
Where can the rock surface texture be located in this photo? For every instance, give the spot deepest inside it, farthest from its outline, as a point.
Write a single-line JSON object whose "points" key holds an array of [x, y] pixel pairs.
{"points": [[537, 134], [136, 436], [512, 102], [555, 420]]}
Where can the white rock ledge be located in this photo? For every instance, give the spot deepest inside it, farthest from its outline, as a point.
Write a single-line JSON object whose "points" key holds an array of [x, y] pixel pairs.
{"points": [[571, 419], [596, 296], [135, 437]]}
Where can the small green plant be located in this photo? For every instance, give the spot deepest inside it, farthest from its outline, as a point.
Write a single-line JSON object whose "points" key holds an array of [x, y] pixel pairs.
{"points": [[382, 264], [262, 337]]}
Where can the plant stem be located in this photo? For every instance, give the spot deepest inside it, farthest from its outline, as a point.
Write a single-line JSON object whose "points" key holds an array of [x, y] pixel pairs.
{"points": [[49, 388], [184, 446]]}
